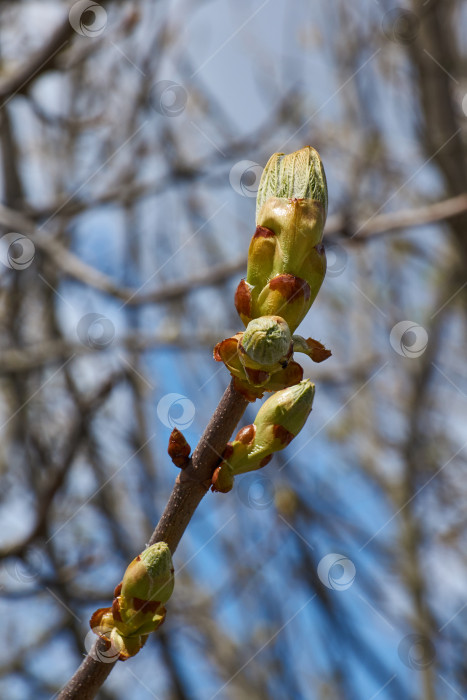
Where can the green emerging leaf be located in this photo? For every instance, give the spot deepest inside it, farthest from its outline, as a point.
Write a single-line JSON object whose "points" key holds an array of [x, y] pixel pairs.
{"points": [[299, 175]]}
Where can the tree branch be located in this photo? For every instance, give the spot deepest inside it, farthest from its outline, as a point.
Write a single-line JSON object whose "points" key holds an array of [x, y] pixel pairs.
{"points": [[191, 485]]}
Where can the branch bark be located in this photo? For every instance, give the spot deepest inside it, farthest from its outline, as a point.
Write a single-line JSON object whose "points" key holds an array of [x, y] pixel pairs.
{"points": [[191, 485]]}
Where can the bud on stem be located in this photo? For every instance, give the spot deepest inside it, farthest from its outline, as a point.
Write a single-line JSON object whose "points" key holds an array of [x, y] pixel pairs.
{"points": [[299, 175], [278, 421], [286, 258], [137, 609], [260, 359]]}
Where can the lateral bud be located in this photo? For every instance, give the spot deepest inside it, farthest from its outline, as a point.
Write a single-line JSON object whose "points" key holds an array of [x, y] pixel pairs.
{"points": [[278, 421], [178, 449], [137, 609]]}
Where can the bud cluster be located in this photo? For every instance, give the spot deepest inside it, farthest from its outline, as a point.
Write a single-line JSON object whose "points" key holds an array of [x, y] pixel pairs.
{"points": [[138, 606], [286, 267], [286, 258], [278, 421]]}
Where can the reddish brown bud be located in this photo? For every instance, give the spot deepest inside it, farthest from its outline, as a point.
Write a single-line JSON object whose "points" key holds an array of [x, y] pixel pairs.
{"points": [[179, 450], [243, 299], [246, 434]]}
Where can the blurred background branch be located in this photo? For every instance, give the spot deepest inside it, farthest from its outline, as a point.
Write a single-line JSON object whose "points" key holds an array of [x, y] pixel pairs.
{"points": [[132, 140]]}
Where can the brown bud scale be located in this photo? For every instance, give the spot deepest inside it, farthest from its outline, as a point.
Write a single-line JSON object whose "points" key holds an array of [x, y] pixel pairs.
{"points": [[282, 434], [319, 352], [116, 609], [227, 452], [243, 299], [263, 232], [96, 618], [246, 434], [290, 286], [256, 376], [250, 393], [215, 486], [145, 605]]}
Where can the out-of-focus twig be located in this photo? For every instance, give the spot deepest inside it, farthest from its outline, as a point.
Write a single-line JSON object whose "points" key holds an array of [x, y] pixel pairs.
{"points": [[42, 60], [337, 226]]}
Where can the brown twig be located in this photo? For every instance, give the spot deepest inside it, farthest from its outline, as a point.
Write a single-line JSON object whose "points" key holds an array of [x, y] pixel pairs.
{"points": [[190, 487]]}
